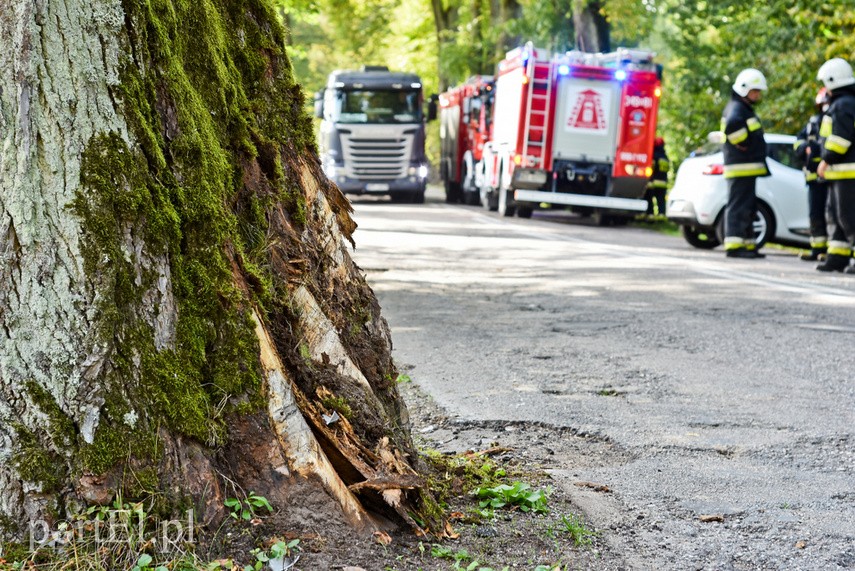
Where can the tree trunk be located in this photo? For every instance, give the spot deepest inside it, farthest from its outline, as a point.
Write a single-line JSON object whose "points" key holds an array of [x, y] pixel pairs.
{"points": [[180, 315], [591, 25]]}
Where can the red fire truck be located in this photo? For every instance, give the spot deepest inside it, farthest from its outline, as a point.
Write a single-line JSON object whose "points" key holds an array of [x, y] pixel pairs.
{"points": [[577, 131], [465, 126]]}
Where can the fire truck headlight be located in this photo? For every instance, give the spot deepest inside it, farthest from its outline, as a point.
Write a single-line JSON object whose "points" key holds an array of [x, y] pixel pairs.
{"points": [[563, 69], [423, 171], [620, 75], [657, 92]]}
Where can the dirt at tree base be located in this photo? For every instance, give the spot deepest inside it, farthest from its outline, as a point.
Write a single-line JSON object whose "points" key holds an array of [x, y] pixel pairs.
{"points": [[513, 539]]}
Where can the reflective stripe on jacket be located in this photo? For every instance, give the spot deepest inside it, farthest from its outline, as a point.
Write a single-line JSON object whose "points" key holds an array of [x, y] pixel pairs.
{"points": [[838, 130], [744, 146]]}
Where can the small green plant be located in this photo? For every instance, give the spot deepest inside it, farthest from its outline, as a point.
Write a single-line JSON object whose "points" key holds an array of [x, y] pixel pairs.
{"points": [[144, 564], [518, 494], [576, 529], [400, 379], [247, 508], [278, 552]]}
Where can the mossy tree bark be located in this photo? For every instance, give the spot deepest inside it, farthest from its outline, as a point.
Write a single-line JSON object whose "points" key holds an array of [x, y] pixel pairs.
{"points": [[179, 311]]}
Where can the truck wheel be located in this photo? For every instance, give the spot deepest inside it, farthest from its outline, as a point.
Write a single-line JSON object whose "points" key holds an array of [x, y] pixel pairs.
{"points": [[601, 218], [524, 211], [698, 238], [491, 200], [453, 194], [506, 206], [471, 193]]}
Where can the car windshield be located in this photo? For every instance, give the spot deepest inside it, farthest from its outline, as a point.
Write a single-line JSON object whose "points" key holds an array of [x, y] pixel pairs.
{"points": [[706, 149], [783, 153], [378, 106]]}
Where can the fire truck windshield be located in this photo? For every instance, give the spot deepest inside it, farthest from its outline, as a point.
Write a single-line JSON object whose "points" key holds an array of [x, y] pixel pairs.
{"points": [[377, 106]]}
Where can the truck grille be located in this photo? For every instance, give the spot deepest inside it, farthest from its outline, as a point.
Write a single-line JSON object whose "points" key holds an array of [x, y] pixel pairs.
{"points": [[377, 159]]}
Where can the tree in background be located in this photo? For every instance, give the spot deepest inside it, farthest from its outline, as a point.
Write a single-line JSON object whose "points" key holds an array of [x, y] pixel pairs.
{"points": [[705, 44]]}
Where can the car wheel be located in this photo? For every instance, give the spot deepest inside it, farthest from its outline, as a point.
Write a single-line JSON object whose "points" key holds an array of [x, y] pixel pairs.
{"points": [[524, 211], [699, 239], [764, 225]]}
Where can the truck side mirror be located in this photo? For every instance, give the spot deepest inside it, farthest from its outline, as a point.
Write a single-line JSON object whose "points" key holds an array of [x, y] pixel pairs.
{"points": [[319, 104], [431, 114]]}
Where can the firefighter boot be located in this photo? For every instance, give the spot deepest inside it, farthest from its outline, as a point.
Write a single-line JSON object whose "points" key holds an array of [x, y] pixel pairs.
{"points": [[814, 255], [834, 263]]}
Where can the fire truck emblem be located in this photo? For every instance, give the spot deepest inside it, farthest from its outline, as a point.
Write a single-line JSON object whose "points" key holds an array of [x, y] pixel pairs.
{"points": [[587, 113]]}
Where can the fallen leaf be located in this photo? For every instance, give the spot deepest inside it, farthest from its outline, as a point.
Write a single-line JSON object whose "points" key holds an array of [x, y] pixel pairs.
{"points": [[256, 521], [449, 531], [456, 515], [801, 544], [706, 518], [594, 486], [382, 537]]}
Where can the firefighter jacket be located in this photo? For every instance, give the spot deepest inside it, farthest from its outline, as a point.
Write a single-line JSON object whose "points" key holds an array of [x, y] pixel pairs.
{"points": [[744, 146], [661, 166], [838, 129], [809, 139]]}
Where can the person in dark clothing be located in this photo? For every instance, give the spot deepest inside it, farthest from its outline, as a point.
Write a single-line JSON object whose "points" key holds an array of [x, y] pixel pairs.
{"points": [[838, 162], [808, 149], [658, 183], [744, 160]]}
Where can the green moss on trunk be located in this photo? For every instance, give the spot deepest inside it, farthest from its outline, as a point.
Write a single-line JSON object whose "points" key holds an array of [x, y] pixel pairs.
{"points": [[208, 96]]}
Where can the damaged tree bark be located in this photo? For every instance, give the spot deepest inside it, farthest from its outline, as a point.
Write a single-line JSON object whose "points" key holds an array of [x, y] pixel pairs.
{"points": [[181, 319]]}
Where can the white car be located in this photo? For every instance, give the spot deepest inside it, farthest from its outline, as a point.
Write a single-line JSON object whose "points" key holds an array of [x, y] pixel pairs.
{"points": [[697, 200]]}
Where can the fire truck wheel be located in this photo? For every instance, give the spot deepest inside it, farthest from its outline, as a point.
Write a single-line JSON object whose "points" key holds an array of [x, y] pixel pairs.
{"points": [[506, 206], [524, 211], [490, 201], [472, 198], [601, 218]]}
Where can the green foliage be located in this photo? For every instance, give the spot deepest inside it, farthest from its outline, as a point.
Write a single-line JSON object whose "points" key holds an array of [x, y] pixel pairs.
{"points": [[247, 508], [518, 494], [573, 526]]}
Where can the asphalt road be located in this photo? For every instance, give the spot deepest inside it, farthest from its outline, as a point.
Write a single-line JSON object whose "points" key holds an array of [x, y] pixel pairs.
{"points": [[726, 384]]}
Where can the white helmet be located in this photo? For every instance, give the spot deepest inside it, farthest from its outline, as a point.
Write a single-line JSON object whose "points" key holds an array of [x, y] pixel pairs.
{"points": [[749, 79], [836, 73]]}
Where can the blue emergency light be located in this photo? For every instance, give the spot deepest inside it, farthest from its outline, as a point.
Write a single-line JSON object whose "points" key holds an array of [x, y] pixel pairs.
{"points": [[563, 69], [620, 75]]}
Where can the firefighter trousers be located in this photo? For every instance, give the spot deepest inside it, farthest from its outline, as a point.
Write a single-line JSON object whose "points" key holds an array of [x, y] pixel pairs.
{"points": [[842, 200], [817, 206], [659, 195], [740, 212]]}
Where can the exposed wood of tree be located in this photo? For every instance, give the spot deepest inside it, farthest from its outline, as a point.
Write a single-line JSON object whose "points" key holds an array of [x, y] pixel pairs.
{"points": [[177, 301], [591, 25]]}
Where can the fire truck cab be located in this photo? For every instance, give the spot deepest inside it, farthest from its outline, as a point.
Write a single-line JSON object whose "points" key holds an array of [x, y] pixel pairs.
{"points": [[576, 131], [465, 115]]}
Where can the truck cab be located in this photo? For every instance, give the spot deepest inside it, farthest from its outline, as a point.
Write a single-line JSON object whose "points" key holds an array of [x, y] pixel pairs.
{"points": [[372, 134]]}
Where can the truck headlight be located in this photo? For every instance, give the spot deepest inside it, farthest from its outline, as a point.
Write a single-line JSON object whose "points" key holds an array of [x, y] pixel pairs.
{"points": [[329, 170], [423, 171]]}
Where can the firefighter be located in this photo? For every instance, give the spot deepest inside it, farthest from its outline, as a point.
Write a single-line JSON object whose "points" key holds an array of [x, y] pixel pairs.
{"points": [[744, 160], [808, 149], [838, 162], [658, 183]]}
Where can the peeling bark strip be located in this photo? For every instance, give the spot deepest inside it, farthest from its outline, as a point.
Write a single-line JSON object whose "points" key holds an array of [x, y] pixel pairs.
{"points": [[176, 299]]}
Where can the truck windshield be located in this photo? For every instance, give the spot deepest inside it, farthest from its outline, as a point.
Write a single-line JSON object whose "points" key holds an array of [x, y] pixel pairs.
{"points": [[379, 106]]}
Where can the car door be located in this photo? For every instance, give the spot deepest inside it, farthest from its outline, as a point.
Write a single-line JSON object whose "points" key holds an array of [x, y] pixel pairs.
{"points": [[785, 190]]}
